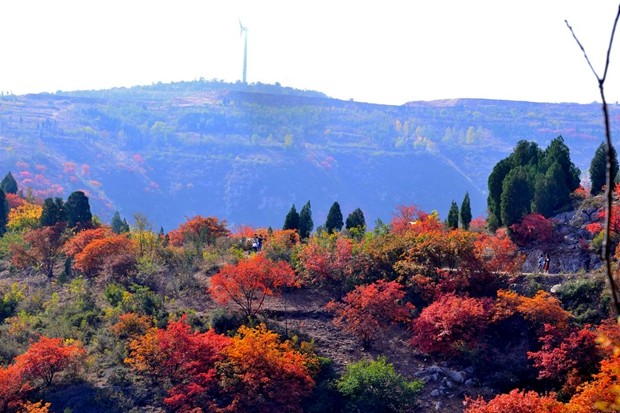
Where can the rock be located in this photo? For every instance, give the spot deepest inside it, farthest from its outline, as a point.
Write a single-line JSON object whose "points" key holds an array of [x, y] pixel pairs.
{"points": [[555, 288], [438, 405], [435, 393], [469, 382]]}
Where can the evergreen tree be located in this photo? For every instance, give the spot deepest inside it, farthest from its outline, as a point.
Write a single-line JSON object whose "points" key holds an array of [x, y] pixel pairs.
{"points": [[305, 221], [453, 216], [356, 220], [117, 224], [543, 200], [9, 184], [598, 168], [78, 212], [516, 196], [466, 212], [292, 219], [334, 218], [4, 212], [53, 212], [496, 178]]}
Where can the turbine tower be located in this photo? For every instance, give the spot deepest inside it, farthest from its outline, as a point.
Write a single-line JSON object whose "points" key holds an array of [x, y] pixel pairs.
{"points": [[244, 31]]}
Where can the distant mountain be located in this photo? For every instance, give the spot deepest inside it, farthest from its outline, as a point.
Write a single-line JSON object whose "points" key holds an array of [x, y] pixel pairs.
{"points": [[246, 153]]}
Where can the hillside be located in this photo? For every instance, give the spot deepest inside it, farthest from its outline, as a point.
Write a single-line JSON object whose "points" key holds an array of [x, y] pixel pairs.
{"points": [[247, 153]]}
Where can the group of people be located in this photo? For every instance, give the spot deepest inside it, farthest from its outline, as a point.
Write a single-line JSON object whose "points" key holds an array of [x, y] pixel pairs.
{"points": [[543, 263], [257, 243]]}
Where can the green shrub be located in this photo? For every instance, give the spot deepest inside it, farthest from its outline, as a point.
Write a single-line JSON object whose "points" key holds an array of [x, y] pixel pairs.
{"points": [[224, 321], [375, 387], [586, 298]]}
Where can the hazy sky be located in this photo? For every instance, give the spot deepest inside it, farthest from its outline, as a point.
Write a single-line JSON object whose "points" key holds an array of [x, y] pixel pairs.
{"points": [[374, 51]]}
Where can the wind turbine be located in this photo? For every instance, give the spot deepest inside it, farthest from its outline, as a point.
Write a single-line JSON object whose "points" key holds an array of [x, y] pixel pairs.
{"points": [[244, 31]]}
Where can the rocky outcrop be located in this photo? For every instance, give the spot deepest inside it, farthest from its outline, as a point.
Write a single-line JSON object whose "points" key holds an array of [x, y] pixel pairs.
{"points": [[570, 252]]}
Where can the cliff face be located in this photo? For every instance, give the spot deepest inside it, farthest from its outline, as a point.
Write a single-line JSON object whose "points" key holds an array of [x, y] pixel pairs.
{"points": [[571, 252]]}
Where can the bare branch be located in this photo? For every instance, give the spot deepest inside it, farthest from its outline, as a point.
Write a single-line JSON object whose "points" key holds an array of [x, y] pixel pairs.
{"points": [[610, 179]]}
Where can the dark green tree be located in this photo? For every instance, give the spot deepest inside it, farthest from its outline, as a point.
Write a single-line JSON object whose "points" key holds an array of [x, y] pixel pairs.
{"points": [[118, 225], [4, 212], [516, 196], [305, 221], [543, 199], [9, 184], [78, 212], [453, 216], [53, 212], [598, 168], [466, 212], [356, 220], [496, 178], [292, 219], [334, 218]]}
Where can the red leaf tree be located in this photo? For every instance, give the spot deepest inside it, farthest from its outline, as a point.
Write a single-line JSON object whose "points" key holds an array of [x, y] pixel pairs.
{"points": [[182, 361], [516, 401], [43, 248], [368, 310], [116, 250], [248, 282], [262, 374], [451, 324], [198, 232]]}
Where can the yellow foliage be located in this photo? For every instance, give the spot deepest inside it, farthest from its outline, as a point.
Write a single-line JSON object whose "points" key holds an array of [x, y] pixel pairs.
{"points": [[24, 217]]}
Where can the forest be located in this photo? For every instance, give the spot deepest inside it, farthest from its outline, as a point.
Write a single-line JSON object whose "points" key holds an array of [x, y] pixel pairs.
{"points": [[417, 314]]}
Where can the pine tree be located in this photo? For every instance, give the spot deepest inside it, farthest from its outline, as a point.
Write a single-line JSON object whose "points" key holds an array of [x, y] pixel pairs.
{"points": [[53, 212], [305, 221], [356, 220], [453, 216], [516, 196], [598, 168], [466, 212], [9, 184], [334, 218], [78, 212], [292, 219], [117, 224]]}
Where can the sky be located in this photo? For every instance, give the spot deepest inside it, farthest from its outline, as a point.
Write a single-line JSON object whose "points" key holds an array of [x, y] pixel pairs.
{"points": [[389, 51]]}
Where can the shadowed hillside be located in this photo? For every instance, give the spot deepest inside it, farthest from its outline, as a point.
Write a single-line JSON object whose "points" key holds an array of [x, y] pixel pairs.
{"points": [[246, 153]]}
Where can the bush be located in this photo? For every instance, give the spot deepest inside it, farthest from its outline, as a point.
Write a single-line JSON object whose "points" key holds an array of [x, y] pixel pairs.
{"points": [[586, 298], [224, 321], [374, 386]]}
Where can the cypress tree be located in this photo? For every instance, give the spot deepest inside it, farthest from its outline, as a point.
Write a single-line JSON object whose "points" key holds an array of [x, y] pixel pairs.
{"points": [[9, 184], [453, 216], [334, 218], [466, 212], [356, 220], [53, 212], [516, 196], [598, 168], [117, 224], [292, 219], [78, 212], [305, 221]]}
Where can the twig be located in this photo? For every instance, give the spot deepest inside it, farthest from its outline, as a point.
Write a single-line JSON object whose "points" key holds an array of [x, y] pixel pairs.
{"points": [[615, 294]]}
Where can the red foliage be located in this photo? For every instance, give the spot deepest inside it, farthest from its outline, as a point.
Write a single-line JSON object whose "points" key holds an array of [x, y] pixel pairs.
{"points": [[80, 240], [48, 356], [199, 231], [498, 253], [131, 325], [13, 388], [451, 324], [570, 360], [600, 394], [368, 310], [515, 402], [43, 250], [263, 375], [533, 228], [181, 360], [478, 224], [14, 200], [248, 282], [539, 310], [117, 249], [328, 261], [411, 218]]}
